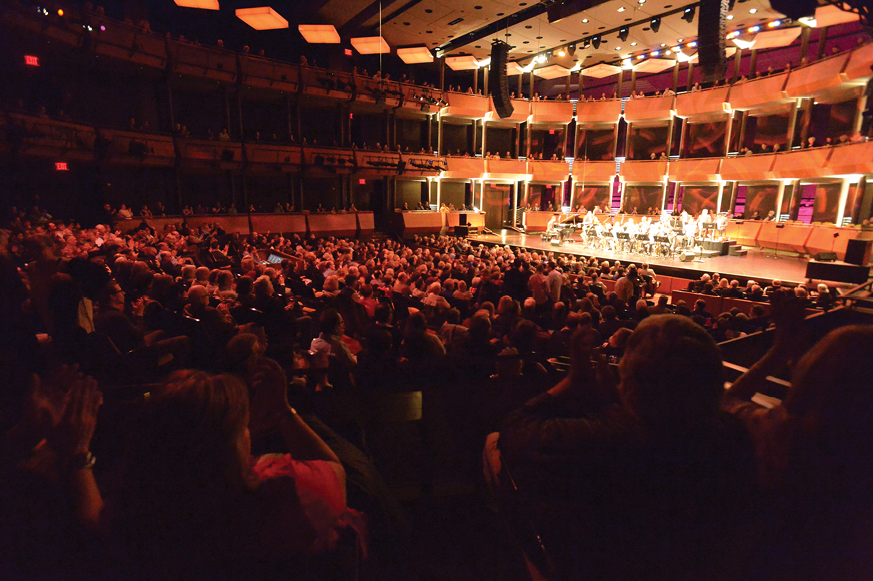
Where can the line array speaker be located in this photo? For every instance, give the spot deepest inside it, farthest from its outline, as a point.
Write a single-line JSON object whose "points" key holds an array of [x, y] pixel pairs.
{"points": [[711, 38], [498, 84]]}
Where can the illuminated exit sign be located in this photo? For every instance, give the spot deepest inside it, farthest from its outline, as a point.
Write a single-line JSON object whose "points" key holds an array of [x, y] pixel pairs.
{"points": [[31, 61], [61, 166]]}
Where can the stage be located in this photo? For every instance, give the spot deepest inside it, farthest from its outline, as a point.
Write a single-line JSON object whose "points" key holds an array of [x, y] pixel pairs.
{"points": [[759, 265]]}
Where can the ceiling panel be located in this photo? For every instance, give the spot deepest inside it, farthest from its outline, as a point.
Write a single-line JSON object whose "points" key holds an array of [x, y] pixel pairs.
{"points": [[338, 12], [523, 36]]}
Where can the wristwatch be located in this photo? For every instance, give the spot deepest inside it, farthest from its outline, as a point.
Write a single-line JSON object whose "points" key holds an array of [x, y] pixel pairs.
{"points": [[83, 461]]}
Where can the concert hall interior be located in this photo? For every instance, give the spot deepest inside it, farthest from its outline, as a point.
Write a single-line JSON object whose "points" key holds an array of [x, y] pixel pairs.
{"points": [[429, 289]]}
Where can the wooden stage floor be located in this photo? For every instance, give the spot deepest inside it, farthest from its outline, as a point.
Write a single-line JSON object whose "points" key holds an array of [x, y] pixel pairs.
{"points": [[759, 265]]}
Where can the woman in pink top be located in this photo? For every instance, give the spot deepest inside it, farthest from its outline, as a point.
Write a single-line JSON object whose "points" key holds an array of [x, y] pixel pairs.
{"points": [[194, 504]]}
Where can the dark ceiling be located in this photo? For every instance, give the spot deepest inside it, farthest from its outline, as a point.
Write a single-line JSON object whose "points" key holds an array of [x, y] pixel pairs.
{"points": [[464, 26]]}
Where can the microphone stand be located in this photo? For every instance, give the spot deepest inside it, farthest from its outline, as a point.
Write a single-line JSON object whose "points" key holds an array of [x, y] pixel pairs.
{"points": [[779, 227]]}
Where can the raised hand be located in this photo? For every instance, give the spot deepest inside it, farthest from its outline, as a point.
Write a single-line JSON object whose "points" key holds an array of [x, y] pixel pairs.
{"points": [[73, 432], [47, 399], [269, 389]]}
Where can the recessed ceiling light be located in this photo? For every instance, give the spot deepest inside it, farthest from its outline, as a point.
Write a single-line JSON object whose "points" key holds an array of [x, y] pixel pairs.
{"points": [[528, 26], [584, 21], [621, 8], [618, 48], [681, 40], [477, 8], [663, 44], [539, 38], [429, 31], [319, 33], [478, 46], [406, 24], [647, 29], [602, 28], [500, 14], [262, 18], [428, 11], [633, 44], [753, 11], [730, 16], [526, 42]]}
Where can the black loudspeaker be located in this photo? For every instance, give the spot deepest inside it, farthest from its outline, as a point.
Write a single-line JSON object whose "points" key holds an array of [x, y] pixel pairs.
{"points": [[825, 256], [711, 39], [837, 272], [401, 165], [498, 84], [227, 155], [858, 251], [686, 257]]}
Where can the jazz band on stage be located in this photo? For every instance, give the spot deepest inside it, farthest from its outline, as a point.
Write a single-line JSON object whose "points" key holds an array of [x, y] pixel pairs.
{"points": [[663, 236]]}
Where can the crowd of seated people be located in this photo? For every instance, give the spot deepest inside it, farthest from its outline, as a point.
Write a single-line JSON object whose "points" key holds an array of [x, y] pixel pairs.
{"points": [[216, 331], [158, 210], [821, 296]]}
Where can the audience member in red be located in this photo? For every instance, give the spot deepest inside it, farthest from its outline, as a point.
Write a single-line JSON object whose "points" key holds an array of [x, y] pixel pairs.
{"points": [[195, 505]]}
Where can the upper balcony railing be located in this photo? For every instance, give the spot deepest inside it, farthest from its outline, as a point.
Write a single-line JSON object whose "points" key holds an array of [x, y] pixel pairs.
{"points": [[836, 78], [42, 136]]}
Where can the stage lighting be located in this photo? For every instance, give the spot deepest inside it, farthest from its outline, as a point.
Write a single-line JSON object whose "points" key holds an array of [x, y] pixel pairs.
{"points": [[622, 34], [596, 42], [655, 24], [571, 49], [689, 14]]}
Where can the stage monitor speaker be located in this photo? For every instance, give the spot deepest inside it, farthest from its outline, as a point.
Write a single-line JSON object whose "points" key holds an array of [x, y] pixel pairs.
{"points": [[825, 256], [858, 251], [686, 257], [711, 39], [498, 84]]}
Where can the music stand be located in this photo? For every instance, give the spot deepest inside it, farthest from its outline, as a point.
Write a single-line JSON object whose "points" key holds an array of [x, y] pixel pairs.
{"points": [[708, 228]]}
